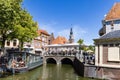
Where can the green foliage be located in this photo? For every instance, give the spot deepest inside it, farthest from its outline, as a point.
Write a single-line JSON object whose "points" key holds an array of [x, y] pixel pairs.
{"points": [[8, 17], [91, 48], [85, 48], [16, 22], [80, 41], [26, 28]]}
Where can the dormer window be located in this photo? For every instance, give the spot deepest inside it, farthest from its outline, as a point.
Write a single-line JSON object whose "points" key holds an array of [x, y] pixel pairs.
{"points": [[112, 23]]}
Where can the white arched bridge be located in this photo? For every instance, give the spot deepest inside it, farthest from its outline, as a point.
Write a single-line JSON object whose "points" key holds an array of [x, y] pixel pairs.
{"points": [[58, 59], [58, 54]]}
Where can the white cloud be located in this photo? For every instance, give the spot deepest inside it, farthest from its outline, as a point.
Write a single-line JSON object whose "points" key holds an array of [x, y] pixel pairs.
{"points": [[48, 27], [78, 32], [64, 33]]}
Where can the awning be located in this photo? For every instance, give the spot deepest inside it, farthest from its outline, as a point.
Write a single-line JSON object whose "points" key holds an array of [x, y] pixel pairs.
{"points": [[38, 49], [28, 47]]}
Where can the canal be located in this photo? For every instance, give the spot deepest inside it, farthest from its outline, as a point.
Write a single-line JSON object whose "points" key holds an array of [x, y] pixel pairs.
{"points": [[48, 72]]}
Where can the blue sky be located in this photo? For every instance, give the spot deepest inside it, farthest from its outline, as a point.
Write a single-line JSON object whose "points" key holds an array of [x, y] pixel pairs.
{"points": [[58, 16]]}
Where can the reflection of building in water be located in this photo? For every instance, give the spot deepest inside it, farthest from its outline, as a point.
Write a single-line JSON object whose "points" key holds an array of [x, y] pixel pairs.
{"points": [[45, 73]]}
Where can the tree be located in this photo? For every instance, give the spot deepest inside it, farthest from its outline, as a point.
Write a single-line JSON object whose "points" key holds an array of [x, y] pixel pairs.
{"points": [[8, 18], [26, 31], [80, 41], [15, 22], [85, 48], [91, 48]]}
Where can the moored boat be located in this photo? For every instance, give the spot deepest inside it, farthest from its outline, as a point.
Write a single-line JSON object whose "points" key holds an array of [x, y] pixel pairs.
{"points": [[23, 61]]}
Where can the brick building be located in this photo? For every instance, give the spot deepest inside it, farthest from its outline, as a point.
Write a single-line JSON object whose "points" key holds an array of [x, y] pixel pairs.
{"points": [[41, 40]]}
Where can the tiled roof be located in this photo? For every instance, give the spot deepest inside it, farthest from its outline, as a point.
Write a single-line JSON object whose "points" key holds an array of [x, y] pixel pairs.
{"points": [[113, 34], [43, 31], [114, 13], [59, 40]]}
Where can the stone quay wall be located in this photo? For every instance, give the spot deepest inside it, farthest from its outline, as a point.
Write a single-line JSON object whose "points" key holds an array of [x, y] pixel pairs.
{"points": [[84, 70], [78, 67], [92, 71], [108, 73], [102, 72]]}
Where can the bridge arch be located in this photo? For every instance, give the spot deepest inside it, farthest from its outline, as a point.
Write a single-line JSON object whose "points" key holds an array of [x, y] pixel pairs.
{"points": [[66, 61], [51, 60]]}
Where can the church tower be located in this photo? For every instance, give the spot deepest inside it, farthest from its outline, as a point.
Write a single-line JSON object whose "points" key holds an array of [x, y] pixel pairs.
{"points": [[71, 38]]}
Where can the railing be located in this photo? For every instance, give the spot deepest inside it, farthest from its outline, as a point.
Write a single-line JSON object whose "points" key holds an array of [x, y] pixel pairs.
{"points": [[89, 59], [86, 58], [35, 64], [60, 53]]}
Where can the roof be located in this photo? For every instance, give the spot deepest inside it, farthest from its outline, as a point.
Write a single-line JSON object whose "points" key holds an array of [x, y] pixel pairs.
{"points": [[114, 13], [51, 37], [59, 40], [43, 32], [112, 34]]}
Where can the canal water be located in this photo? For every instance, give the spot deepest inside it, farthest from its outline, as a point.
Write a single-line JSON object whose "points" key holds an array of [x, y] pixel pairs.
{"points": [[48, 72]]}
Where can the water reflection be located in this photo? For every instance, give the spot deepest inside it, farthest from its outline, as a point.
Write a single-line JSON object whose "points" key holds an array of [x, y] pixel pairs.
{"points": [[48, 72]]}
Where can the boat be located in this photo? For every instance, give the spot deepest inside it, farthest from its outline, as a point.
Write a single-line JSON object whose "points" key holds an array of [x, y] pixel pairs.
{"points": [[23, 61]]}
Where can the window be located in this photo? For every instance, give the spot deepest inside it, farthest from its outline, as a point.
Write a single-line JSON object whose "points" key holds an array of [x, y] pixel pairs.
{"points": [[108, 22], [43, 39], [112, 23], [14, 42], [105, 45], [42, 43], [117, 22], [8, 43], [113, 54], [111, 45], [49, 42], [117, 45], [38, 37]]}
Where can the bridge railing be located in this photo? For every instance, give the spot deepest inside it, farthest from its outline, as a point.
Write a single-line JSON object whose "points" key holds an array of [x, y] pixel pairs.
{"points": [[86, 58], [60, 53]]}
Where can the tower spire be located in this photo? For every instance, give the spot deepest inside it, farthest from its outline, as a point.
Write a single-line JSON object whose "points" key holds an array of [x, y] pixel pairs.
{"points": [[71, 38], [71, 32]]}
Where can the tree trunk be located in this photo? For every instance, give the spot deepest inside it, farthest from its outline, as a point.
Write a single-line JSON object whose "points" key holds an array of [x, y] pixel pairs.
{"points": [[21, 45], [3, 51]]}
